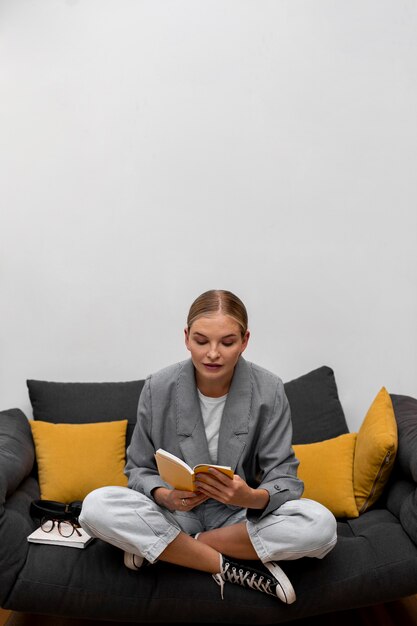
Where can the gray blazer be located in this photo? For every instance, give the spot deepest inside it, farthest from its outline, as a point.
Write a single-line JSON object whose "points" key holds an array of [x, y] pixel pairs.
{"points": [[254, 438]]}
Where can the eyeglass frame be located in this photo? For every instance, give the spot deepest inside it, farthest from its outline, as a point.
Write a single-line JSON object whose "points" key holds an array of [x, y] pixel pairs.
{"points": [[58, 522]]}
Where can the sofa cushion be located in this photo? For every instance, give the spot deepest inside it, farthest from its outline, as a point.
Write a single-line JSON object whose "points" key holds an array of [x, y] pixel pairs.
{"points": [[373, 561], [74, 459], [17, 489], [376, 448], [16, 451], [316, 411], [405, 408], [15, 526], [327, 471], [78, 403]]}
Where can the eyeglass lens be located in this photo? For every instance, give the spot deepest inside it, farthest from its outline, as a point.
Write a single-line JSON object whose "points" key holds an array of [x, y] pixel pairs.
{"points": [[65, 529]]}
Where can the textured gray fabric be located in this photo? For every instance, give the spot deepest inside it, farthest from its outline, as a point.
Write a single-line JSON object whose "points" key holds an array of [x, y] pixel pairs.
{"points": [[17, 453], [408, 515], [77, 403], [15, 525], [16, 462], [374, 561], [405, 409], [397, 492], [316, 411]]}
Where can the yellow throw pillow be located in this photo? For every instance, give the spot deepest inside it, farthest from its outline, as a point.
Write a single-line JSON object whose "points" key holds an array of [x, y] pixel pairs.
{"points": [[74, 459], [376, 448], [326, 468]]}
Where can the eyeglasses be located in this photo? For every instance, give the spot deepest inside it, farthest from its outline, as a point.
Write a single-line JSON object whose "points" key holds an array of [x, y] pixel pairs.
{"points": [[66, 528]]}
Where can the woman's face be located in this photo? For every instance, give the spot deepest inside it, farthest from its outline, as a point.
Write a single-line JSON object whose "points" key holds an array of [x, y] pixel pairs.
{"points": [[215, 343]]}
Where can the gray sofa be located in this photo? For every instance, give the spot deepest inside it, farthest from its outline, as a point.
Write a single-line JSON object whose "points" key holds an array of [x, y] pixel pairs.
{"points": [[375, 559]]}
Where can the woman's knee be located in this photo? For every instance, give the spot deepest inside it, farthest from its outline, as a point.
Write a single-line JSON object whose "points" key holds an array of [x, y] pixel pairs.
{"points": [[320, 527], [96, 506]]}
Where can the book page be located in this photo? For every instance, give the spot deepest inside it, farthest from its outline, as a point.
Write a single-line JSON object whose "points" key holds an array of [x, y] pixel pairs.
{"points": [[174, 471], [204, 467], [178, 474], [175, 459]]}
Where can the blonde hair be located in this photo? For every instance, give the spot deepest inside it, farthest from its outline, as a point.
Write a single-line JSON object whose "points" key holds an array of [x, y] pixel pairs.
{"points": [[219, 301]]}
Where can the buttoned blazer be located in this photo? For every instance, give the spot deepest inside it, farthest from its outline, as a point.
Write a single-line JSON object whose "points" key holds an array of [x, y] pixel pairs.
{"points": [[254, 438]]}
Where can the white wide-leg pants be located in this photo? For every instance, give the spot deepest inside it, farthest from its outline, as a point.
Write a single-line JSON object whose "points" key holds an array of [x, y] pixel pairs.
{"points": [[134, 523]]}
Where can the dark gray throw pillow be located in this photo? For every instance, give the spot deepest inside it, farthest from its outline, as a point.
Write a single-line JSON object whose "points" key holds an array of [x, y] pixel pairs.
{"points": [[315, 407], [85, 402]]}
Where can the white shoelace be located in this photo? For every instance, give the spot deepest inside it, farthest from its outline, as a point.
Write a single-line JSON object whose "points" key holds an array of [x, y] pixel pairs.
{"points": [[244, 578]]}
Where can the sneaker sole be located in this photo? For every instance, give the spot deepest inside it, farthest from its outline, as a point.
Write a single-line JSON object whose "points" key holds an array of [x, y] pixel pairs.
{"points": [[283, 581], [131, 560]]}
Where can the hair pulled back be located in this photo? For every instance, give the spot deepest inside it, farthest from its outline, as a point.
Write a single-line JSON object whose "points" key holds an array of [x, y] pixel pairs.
{"points": [[219, 301]]}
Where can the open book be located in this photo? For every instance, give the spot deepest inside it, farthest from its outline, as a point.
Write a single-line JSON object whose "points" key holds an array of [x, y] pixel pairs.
{"points": [[54, 538], [179, 475]]}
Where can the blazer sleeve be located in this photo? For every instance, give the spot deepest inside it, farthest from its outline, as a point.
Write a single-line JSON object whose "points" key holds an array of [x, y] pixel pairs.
{"points": [[141, 467], [276, 458]]}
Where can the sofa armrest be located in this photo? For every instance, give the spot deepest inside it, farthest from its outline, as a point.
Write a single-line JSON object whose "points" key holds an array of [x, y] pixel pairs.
{"points": [[17, 452], [402, 493], [15, 526], [17, 489]]}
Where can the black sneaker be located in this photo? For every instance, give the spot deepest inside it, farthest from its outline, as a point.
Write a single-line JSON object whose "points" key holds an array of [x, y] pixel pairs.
{"points": [[267, 578]]}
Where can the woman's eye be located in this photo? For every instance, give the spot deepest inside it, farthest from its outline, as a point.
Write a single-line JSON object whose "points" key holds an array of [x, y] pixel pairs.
{"points": [[228, 344], [201, 343]]}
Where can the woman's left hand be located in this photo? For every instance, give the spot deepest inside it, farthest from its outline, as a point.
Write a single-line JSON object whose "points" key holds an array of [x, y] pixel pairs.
{"points": [[233, 491]]}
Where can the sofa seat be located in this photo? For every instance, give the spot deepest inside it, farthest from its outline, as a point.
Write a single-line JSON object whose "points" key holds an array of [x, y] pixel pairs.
{"points": [[93, 583]]}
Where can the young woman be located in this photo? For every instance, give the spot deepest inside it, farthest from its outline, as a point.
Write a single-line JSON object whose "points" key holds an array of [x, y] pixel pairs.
{"points": [[215, 408]]}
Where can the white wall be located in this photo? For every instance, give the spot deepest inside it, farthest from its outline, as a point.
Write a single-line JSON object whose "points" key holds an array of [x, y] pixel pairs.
{"points": [[150, 150]]}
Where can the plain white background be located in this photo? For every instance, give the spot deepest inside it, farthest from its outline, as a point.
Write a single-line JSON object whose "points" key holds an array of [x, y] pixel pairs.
{"points": [[153, 149]]}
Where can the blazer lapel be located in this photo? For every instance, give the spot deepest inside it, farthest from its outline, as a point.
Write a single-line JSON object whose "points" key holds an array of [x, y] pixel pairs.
{"points": [[190, 425], [235, 421]]}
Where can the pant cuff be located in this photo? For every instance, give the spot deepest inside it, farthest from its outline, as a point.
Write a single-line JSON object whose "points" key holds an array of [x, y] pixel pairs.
{"points": [[153, 552]]}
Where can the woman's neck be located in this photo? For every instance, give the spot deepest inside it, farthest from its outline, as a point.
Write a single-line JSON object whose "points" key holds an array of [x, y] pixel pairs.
{"points": [[213, 389]]}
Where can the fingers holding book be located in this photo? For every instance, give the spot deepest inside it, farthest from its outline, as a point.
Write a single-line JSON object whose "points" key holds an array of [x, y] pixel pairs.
{"points": [[234, 491], [189, 500], [178, 500]]}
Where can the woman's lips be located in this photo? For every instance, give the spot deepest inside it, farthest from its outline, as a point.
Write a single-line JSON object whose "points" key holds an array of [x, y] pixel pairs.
{"points": [[212, 366]]}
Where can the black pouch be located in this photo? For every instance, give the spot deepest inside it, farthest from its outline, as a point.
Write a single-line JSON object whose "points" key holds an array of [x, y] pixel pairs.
{"points": [[61, 511]]}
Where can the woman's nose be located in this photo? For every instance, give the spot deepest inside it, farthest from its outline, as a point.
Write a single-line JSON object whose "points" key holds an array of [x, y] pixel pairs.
{"points": [[213, 352]]}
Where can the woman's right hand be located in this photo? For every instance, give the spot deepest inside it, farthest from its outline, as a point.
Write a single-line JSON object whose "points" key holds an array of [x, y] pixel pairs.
{"points": [[176, 500]]}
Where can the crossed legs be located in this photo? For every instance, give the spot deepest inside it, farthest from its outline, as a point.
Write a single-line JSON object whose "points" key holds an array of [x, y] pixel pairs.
{"points": [[136, 524]]}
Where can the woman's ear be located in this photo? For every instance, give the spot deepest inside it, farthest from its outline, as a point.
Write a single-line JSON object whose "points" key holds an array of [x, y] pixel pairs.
{"points": [[187, 338], [245, 341]]}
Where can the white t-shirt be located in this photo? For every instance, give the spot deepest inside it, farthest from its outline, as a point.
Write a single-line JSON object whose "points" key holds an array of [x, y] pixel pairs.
{"points": [[212, 411]]}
